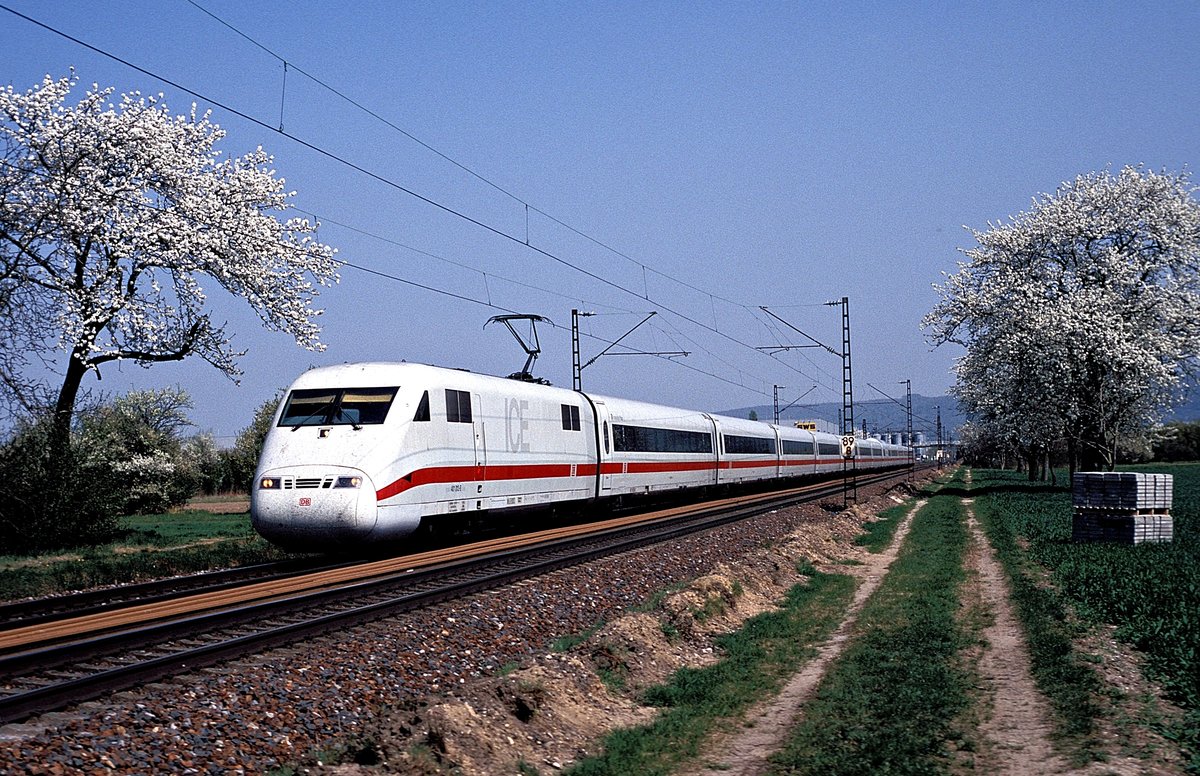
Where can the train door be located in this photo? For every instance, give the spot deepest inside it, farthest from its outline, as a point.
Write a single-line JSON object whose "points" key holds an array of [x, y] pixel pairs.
{"points": [[716, 449], [480, 441], [778, 453], [603, 447]]}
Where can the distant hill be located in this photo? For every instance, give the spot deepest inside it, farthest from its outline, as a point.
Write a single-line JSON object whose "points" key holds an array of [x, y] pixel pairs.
{"points": [[881, 415]]}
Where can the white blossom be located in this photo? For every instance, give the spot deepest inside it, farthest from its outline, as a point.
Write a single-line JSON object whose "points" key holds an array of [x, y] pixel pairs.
{"points": [[1081, 317], [113, 216]]}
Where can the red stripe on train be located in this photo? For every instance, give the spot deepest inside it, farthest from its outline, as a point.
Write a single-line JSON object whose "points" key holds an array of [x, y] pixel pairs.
{"points": [[446, 474]]}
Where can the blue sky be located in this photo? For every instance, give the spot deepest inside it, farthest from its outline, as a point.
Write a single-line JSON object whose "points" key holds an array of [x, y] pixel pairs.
{"points": [[737, 154]]}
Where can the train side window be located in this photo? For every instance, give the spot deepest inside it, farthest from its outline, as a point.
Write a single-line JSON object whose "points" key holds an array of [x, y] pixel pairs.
{"points": [[458, 406], [749, 445], [570, 418], [422, 408], [606, 437], [648, 439], [792, 447]]}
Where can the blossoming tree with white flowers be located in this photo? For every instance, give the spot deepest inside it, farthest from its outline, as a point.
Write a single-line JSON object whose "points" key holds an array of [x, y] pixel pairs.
{"points": [[1080, 317], [113, 219]]}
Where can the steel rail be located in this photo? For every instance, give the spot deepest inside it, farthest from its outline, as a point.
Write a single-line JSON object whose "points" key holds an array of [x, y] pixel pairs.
{"points": [[58, 607], [112, 618], [489, 564]]}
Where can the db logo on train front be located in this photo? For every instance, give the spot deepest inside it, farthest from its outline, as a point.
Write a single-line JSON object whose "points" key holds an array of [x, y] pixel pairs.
{"points": [[306, 502]]}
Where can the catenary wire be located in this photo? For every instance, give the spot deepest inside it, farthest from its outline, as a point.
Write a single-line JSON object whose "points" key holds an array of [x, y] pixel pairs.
{"points": [[387, 181], [452, 262], [441, 291], [400, 187], [289, 64]]}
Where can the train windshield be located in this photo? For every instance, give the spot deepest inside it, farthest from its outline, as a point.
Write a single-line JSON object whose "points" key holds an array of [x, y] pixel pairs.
{"points": [[337, 406]]}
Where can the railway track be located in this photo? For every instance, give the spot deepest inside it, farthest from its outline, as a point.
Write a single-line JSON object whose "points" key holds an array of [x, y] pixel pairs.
{"points": [[45, 610], [52, 661]]}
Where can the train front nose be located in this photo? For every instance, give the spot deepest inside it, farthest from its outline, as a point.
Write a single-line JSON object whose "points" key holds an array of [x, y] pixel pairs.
{"points": [[313, 508]]}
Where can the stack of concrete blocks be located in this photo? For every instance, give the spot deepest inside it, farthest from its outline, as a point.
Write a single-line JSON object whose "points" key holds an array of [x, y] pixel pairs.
{"points": [[1126, 507]]}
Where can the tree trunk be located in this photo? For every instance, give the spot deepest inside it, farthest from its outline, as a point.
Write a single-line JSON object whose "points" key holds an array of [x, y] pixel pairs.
{"points": [[1091, 458], [1094, 445], [64, 409]]}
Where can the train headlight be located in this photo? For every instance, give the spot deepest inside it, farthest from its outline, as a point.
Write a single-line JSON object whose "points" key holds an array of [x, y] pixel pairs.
{"points": [[270, 483], [347, 482]]}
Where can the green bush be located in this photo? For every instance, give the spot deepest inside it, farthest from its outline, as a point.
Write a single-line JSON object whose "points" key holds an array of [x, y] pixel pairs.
{"points": [[243, 458], [125, 457], [52, 501], [210, 465], [1178, 442], [136, 435]]}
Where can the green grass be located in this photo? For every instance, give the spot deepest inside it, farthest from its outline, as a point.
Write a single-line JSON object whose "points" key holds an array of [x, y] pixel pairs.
{"points": [[150, 546], [756, 661], [567, 643], [878, 535], [180, 528], [1150, 592], [889, 704]]}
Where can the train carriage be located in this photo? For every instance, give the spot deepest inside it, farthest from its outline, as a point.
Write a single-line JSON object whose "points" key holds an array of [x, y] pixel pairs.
{"points": [[797, 452], [446, 442], [749, 450], [362, 453], [829, 453], [649, 448]]}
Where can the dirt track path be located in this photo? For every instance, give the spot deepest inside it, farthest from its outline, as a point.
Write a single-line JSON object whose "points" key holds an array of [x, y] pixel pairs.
{"points": [[1016, 729], [746, 751]]}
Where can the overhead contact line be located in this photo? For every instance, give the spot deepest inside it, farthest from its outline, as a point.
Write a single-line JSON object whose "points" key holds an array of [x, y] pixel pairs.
{"points": [[406, 190]]}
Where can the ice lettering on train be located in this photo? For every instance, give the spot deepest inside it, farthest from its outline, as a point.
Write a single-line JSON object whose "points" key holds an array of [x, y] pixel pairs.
{"points": [[517, 425]]}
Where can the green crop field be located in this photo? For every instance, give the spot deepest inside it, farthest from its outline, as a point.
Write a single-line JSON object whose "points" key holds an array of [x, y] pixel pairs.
{"points": [[1151, 592], [150, 546]]}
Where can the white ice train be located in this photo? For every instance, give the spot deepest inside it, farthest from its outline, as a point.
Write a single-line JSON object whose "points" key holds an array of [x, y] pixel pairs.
{"points": [[364, 453]]}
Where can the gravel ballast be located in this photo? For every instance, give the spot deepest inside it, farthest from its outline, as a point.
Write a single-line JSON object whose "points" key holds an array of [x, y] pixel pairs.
{"points": [[286, 705]]}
